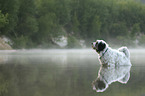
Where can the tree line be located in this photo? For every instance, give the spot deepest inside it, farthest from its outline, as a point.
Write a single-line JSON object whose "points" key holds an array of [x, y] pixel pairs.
{"points": [[36, 23]]}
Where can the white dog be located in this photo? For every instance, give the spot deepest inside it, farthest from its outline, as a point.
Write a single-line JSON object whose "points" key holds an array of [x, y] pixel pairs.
{"points": [[108, 75], [109, 56]]}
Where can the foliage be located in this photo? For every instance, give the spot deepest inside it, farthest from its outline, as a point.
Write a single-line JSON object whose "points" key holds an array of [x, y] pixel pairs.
{"points": [[73, 42], [43, 20], [20, 42], [3, 19], [142, 40], [135, 30], [10, 7]]}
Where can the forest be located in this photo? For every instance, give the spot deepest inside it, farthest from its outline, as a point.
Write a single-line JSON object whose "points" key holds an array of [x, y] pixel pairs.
{"points": [[37, 23]]}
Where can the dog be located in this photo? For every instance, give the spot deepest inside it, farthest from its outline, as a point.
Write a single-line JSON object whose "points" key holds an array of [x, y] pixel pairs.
{"points": [[108, 75], [111, 57]]}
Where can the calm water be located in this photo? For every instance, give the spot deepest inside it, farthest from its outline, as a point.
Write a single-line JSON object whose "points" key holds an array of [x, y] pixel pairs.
{"points": [[64, 73]]}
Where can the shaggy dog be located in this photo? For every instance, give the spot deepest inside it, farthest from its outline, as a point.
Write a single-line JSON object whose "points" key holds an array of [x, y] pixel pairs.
{"points": [[108, 75], [109, 56]]}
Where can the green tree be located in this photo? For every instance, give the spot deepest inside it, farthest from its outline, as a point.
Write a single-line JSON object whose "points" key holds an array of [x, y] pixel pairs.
{"points": [[48, 26], [119, 29], [3, 19], [27, 24], [39, 22], [73, 42], [9, 7], [142, 40], [95, 28], [51, 21], [75, 24], [62, 11], [135, 31]]}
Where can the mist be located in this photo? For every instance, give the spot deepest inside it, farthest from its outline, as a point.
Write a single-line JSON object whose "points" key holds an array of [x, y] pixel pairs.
{"points": [[61, 55], [45, 47]]}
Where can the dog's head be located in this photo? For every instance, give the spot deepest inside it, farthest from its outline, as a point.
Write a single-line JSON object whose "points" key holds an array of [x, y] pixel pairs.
{"points": [[99, 85], [99, 45]]}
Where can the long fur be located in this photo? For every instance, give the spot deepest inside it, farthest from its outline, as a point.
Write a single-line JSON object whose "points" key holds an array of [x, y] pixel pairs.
{"points": [[108, 75], [111, 56]]}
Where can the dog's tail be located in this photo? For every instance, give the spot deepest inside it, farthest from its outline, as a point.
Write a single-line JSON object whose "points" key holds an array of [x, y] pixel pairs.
{"points": [[125, 51]]}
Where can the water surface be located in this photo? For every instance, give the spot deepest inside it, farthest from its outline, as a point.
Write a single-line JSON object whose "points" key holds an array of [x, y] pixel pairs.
{"points": [[63, 73]]}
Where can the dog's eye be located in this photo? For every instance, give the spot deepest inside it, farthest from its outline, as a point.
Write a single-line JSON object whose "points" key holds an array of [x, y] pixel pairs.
{"points": [[96, 44]]}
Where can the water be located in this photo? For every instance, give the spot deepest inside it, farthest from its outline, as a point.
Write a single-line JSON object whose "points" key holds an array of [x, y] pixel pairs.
{"points": [[64, 73]]}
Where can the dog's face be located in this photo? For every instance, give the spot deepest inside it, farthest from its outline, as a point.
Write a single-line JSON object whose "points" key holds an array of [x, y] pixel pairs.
{"points": [[99, 85], [99, 45]]}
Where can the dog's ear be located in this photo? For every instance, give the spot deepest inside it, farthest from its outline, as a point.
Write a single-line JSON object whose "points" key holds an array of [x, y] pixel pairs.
{"points": [[101, 46]]}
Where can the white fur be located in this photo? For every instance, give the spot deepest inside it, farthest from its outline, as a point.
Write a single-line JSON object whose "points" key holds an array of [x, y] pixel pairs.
{"points": [[114, 57], [112, 74]]}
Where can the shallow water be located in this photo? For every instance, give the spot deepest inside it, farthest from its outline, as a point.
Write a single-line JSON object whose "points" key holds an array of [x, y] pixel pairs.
{"points": [[63, 73]]}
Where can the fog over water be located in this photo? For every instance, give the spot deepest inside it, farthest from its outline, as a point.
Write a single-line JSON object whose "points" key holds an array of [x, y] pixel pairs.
{"points": [[65, 72], [62, 54]]}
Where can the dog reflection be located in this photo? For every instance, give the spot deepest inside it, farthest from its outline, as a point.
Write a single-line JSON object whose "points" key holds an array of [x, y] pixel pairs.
{"points": [[107, 75]]}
